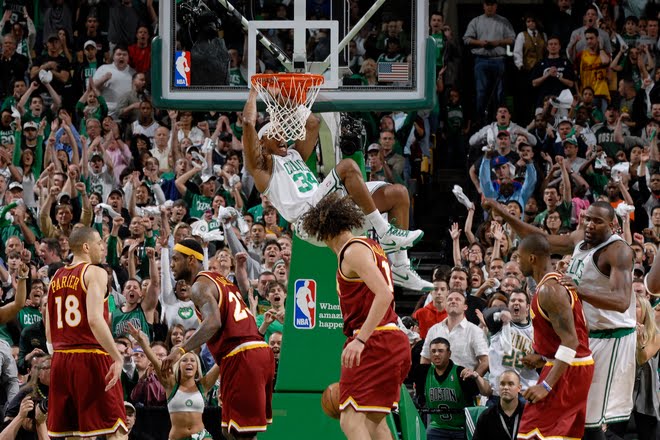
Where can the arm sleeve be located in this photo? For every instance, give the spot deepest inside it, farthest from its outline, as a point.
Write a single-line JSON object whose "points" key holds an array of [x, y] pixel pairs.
{"points": [[485, 180], [530, 182], [112, 258], [167, 295], [518, 50]]}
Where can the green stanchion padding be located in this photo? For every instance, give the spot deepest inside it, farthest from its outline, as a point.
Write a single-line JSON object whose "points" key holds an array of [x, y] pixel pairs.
{"points": [[299, 416], [472, 414], [358, 157], [412, 427], [310, 359]]}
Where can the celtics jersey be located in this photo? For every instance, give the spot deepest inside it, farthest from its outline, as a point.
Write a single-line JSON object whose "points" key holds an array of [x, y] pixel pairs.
{"points": [[522, 337], [136, 316], [440, 43], [447, 395], [585, 273], [236, 77], [292, 185], [183, 312], [28, 316]]}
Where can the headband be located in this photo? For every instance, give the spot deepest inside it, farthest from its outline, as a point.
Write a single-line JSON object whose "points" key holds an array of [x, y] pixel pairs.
{"points": [[188, 251]]}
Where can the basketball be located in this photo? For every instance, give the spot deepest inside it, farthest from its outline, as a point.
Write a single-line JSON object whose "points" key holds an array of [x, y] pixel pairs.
{"points": [[330, 401]]}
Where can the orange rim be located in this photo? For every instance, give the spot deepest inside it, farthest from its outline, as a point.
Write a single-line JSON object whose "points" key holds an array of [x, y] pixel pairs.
{"points": [[290, 85]]}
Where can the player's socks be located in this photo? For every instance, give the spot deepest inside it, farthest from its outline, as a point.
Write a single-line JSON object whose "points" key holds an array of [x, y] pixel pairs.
{"points": [[378, 222], [398, 258]]}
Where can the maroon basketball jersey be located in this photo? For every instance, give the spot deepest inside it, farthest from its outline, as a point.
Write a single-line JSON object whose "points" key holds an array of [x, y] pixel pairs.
{"points": [[67, 310], [238, 324], [355, 298], [546, 341]]}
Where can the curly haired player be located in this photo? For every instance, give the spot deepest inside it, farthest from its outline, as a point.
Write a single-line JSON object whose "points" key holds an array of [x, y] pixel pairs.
{"points": [[376, 355]]}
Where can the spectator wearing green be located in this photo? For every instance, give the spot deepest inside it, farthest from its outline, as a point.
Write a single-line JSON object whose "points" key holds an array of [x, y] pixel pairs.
{"points": [[273, 320], [140, 306], [447, 389], [198, 199], [31, 313]]}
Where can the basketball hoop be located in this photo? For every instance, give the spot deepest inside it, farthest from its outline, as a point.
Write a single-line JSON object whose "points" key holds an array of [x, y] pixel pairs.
{"points": [[289, 98]]}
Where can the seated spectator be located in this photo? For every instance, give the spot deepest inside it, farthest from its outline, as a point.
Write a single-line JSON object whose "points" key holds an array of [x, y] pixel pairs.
{"points": [[499, 421], [447, 386]]}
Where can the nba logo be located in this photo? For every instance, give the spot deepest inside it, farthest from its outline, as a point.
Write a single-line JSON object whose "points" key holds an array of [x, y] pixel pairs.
{"points": [[304, 314], [182, 69]]}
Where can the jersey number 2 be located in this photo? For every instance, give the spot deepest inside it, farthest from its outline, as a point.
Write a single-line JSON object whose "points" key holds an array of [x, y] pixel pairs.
{"points": [[240, 311], [72, 315]]}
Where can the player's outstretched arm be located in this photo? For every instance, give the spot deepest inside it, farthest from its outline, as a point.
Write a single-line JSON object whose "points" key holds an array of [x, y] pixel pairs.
{"points": [[251, 149], [620, 258], [559, 244], [202, 296], [555, 301], [652, 280], [96, 280], [360, 260]]}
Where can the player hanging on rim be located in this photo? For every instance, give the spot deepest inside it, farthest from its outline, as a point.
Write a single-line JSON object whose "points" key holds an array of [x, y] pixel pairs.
{"points": [[85, 359], [247, 365], [601, 274], [281, 174], [376, 355], [558, 403]]}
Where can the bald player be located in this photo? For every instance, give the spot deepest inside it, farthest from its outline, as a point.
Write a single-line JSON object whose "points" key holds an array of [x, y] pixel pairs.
{"points": [[86, 360], [601, 273], [558, 402]]}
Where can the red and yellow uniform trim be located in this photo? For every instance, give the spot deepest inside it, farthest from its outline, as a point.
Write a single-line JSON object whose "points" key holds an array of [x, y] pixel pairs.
{"points": [[354, 240], [246, 346], [233, 425], [82, 350], [363, 408], [119, 423]]}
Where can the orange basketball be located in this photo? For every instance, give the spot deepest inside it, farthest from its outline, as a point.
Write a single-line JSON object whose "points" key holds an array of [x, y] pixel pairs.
{"points": [[330, 400]]}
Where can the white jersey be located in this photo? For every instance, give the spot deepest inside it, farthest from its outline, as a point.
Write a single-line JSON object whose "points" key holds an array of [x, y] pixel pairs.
{"points": [[585, 273], [292, 185], [522, 336]]}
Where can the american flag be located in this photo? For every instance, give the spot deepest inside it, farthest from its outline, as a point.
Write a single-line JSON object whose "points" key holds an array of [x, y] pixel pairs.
{"points": [[389, 72]]}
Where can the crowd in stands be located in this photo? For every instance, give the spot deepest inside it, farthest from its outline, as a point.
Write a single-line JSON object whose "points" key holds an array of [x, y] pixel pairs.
{"points": [[82, 143]]}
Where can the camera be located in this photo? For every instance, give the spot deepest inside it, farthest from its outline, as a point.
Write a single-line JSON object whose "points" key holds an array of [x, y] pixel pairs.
{"points": [[352, 134]]}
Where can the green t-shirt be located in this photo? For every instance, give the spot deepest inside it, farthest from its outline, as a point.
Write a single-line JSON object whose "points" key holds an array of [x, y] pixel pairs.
{"points": [[136, 316], [5, 335], [275, 326], [447, 393], [236, 77], [258, 214], [564, 210], [198, 203], [440, 43], [28, 316]]}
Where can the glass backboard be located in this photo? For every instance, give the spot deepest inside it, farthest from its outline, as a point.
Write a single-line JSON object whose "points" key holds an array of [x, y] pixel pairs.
{"points": [[374, 55]]}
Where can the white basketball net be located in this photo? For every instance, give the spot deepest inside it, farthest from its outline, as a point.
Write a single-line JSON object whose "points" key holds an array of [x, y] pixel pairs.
{"points": [[288, 99]]}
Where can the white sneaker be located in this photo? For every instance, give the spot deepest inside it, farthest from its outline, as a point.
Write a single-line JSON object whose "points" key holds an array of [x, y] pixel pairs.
{"points": [[396, 239], [406, 277]]}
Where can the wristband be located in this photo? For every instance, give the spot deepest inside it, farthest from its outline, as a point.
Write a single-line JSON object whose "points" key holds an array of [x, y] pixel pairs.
{"points": [[182, 350], [545, 385], [565, 354], [357, 338]]}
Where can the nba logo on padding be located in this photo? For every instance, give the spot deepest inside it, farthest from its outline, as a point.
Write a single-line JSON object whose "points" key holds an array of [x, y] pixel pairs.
{"points": [[182, 69], [304, 314]]}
